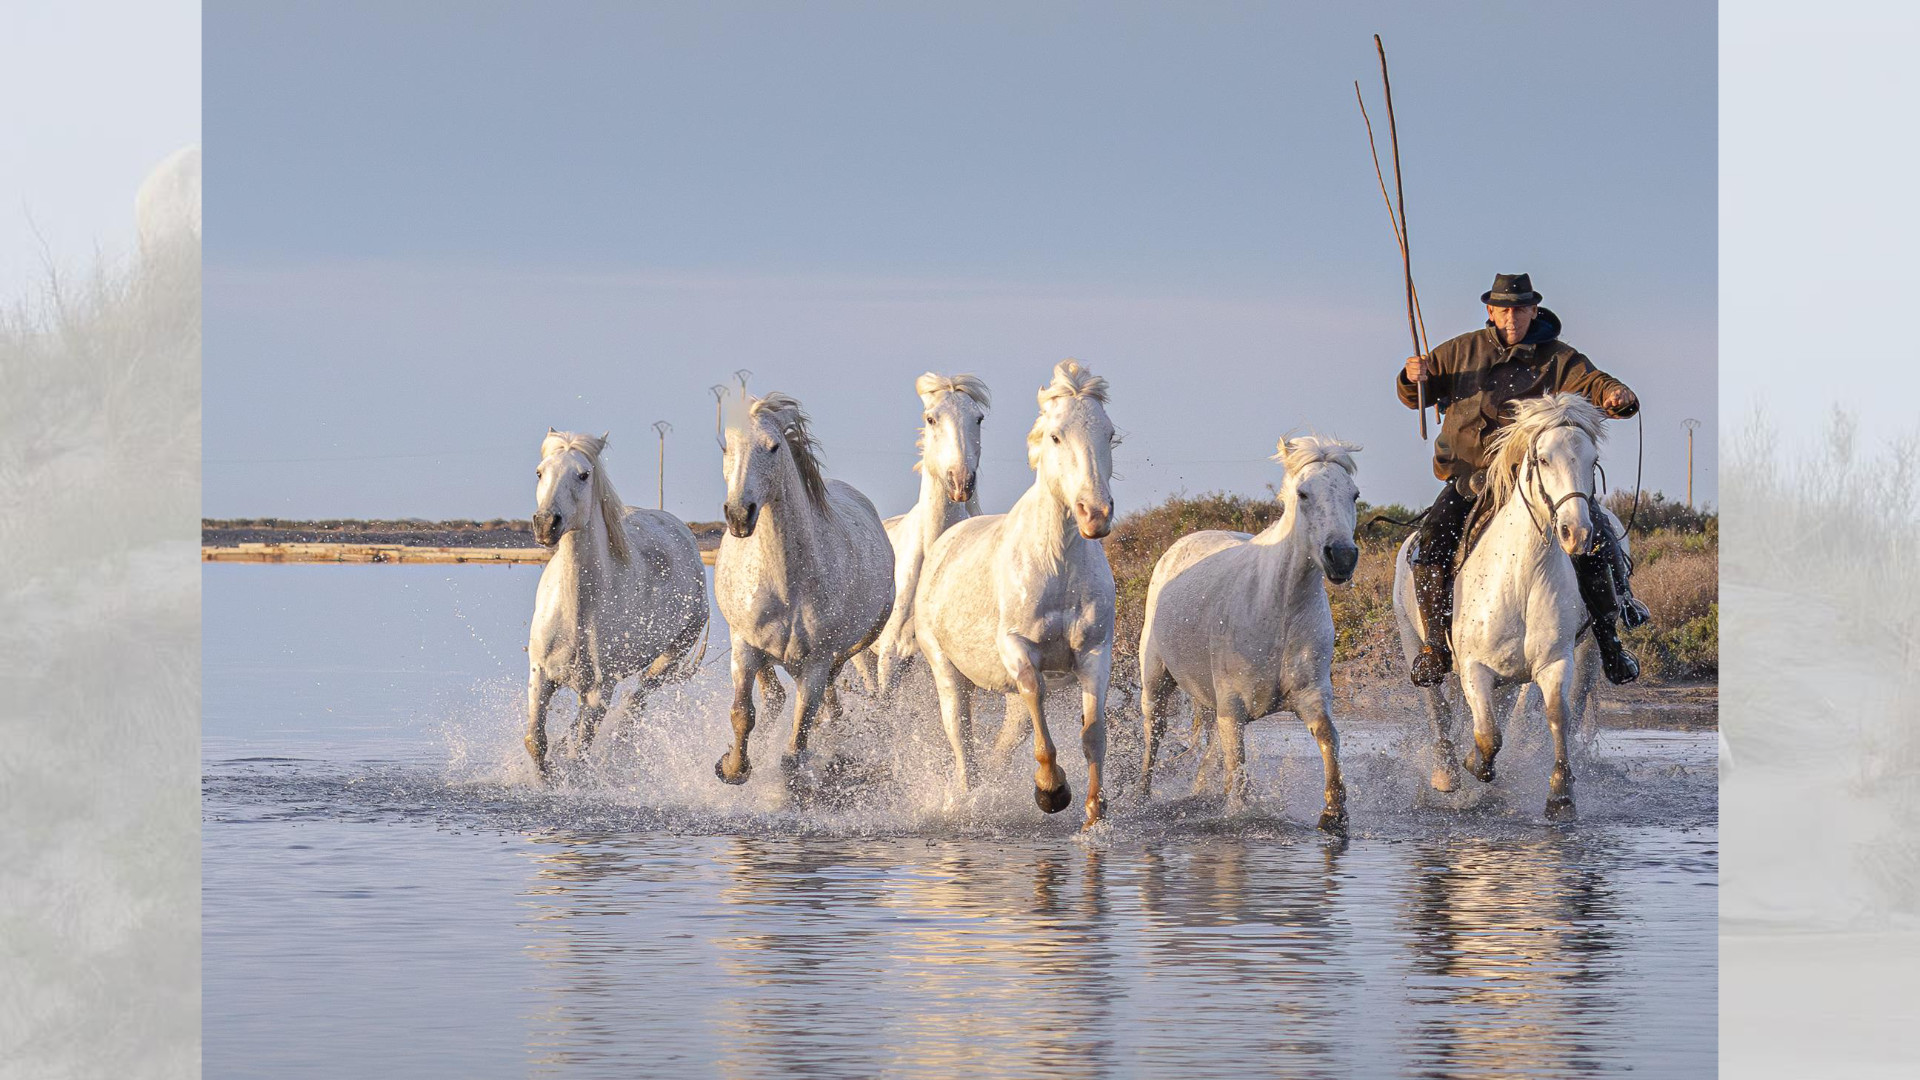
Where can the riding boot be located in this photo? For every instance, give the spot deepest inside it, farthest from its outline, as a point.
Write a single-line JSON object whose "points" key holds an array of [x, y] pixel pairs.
{"points": [[1433, 589], [1632, 612], [1596, 588]]}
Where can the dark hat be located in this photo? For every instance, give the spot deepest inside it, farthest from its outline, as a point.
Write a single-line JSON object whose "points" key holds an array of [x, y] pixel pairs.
{"points": [[1510, 290]]}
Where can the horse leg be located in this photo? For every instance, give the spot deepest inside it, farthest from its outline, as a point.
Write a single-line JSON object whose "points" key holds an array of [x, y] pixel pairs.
{"points": [[1094, 668], [1556, 690], [813, 683], [1156, 686], [1314, 708], [773, 694], [1446, 767], [1022, 658], [1476, 685], [1230, 725], [956, 717], [748, 664], [1013, 726], [1204, 748], [867, 666], [593, 709], [539, 692]]}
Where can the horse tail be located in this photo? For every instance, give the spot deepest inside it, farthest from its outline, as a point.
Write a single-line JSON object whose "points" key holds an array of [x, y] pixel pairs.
{"points": [[692, 667]]}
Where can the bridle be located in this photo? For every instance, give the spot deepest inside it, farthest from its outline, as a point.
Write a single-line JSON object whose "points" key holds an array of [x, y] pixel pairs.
{"points": [[1553, 505]]}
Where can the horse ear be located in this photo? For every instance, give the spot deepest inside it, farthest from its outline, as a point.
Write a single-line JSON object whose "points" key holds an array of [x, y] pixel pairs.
{"points": [[603, 438], [550, 430]]}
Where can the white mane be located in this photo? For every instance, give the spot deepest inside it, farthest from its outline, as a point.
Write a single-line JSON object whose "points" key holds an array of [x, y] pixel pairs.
{"points": [[1531, 418], [931, 385], [1070, 380], [1296, 454], [612, 509]]}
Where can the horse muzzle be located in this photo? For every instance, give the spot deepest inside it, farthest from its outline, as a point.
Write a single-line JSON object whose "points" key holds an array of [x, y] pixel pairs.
{"points": [[546, 528], [960, 484], [1338, 560], [1094, 521], [1576, 538], [742, 518]]}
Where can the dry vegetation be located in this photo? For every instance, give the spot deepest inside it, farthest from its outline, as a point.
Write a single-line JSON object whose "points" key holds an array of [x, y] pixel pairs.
{"points": [[1676, 552]]}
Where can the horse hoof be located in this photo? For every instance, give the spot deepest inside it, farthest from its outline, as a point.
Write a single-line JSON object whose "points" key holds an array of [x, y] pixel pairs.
{"points": [[1481, 768], [1095, 813], [1334, 821], [1560, 808], [720, 770], [1445, 779], [1052, 802]]}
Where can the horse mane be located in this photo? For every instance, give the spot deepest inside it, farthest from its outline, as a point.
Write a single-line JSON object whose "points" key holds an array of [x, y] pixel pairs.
{"points": [[1296, 454], [1071, 379], [795, 428], [933, 384], [600, 489], [1533, 417]]}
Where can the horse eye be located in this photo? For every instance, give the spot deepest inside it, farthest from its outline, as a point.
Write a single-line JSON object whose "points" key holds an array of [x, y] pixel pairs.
{"points": [[927, 419], [774, 449], [1056, 438], [583, 476]]}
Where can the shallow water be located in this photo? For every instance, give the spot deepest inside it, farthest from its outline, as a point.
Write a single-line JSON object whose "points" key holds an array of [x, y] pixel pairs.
{"points": [[387, 892]]}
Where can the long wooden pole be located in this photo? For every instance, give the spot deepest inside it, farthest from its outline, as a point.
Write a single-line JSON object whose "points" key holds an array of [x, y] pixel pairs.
{"points": [[1406, 254]]}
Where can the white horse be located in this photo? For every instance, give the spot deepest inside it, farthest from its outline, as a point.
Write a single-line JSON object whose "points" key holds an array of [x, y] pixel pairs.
{"points": [[166, 209], [955, 408], [1242, 623], [624, 593], [1007, 599], [804, 572], [1518, 616]]}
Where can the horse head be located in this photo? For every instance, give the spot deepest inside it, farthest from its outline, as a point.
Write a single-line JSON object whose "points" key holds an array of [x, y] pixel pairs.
{"points": [[955, 407], [570, 485], [768, 452], [1547, 457], [1071, 446], [1322, 496]]}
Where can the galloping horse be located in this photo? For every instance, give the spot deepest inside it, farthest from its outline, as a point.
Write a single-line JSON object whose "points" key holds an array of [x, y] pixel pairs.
{"points": [[624, 593], [955, 406], [1518, 616], [1243, 625], [1006, 599], [803, 575]]}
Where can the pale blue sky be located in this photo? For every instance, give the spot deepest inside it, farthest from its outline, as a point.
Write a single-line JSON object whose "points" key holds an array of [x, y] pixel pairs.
{"points": [[434, 232]]}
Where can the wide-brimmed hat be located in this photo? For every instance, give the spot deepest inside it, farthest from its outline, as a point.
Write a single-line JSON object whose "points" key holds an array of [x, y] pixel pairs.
{"points": [[1510, 290]]}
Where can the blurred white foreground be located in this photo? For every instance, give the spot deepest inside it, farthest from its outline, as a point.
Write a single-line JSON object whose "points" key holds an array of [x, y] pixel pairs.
{"points": [[1819, 854]]}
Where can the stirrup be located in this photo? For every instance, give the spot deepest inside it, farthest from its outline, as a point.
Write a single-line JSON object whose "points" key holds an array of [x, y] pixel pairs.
{"points": [[1633, 613]]}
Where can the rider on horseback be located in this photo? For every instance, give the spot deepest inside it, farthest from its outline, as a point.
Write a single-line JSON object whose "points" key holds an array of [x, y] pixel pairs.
{"points": [[1471, 379]]}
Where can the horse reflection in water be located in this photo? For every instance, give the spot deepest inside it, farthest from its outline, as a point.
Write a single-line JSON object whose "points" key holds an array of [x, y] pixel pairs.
{"points": [[1250, 926], [1008, 960], [1514, 951]]}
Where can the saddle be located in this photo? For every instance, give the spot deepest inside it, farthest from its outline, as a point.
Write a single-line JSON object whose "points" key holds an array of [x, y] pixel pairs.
{"points": [[1477, 521]]}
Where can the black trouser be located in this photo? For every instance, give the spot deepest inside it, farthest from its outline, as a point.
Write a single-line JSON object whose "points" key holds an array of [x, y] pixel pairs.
{"points": [[1441, 529]]}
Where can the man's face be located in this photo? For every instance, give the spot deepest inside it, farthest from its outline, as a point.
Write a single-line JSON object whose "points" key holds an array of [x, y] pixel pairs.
{"points": [[1512, 322]]}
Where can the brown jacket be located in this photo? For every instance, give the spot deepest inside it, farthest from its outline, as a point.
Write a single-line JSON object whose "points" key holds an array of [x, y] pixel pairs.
{"points": [[1473, 377]]}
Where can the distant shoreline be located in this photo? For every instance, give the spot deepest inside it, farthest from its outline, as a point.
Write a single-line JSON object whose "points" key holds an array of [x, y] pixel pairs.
{"points": [[408, 532]]}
